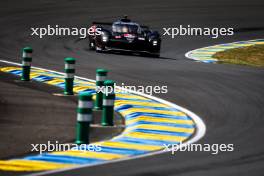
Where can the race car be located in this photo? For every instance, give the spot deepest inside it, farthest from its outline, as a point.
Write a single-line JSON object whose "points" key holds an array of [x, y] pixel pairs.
{"points": [[125, 35]]}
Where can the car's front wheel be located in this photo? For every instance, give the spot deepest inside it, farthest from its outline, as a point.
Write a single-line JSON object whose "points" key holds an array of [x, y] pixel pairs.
{"points": [[100, 49]]}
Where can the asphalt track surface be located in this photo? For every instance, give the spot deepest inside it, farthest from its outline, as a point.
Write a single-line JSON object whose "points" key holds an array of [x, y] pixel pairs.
{"points": [[229, 98], [33, 113], [25, 120]]}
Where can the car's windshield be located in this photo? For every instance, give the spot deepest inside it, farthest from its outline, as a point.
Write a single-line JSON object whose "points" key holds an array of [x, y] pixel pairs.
{"points": [[125, 28]]}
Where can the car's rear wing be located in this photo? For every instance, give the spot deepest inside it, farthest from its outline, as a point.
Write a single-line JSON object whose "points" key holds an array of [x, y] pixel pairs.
{"points": [[101, 23], [110, 24], [105, 25]]}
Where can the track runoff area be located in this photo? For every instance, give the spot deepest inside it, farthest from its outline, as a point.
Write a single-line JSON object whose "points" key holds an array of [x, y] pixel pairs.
{"points": [[205, 54], [152, 125]]}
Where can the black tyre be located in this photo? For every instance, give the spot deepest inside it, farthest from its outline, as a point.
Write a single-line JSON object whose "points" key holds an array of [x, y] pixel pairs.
{"points": [[156, 55], [100, 49]]}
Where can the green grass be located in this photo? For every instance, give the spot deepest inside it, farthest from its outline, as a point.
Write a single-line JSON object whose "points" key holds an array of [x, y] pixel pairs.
{"points": [[250, 55]]}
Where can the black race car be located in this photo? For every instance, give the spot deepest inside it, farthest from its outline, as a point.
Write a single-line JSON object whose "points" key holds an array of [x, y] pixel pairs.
{"points": [[125, 35]]}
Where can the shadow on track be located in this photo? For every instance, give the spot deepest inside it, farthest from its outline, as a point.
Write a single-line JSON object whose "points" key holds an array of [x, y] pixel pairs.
{"points": [[249, 29], [124, 53]]}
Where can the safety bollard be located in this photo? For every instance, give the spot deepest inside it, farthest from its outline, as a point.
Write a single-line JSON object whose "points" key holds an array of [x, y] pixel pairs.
{"points": [[84, 118], [108, 103], [26, 63], [100, 78], [69, 75]]}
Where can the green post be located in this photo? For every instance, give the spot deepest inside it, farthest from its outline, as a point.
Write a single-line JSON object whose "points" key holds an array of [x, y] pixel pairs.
{"points": [[108, 103], [100, 78], [84, 118], [26, 63], [69, 75]]}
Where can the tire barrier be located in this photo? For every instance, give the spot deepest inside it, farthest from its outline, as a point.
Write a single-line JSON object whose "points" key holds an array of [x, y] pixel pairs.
{"points": [[69, 75], [108, 103], [26, 63], [84, 118], [101, 75]]}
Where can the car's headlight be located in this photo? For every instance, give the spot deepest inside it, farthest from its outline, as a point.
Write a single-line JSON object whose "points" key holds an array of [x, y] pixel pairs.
{"points": [[155, 42], [105, 38]]}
